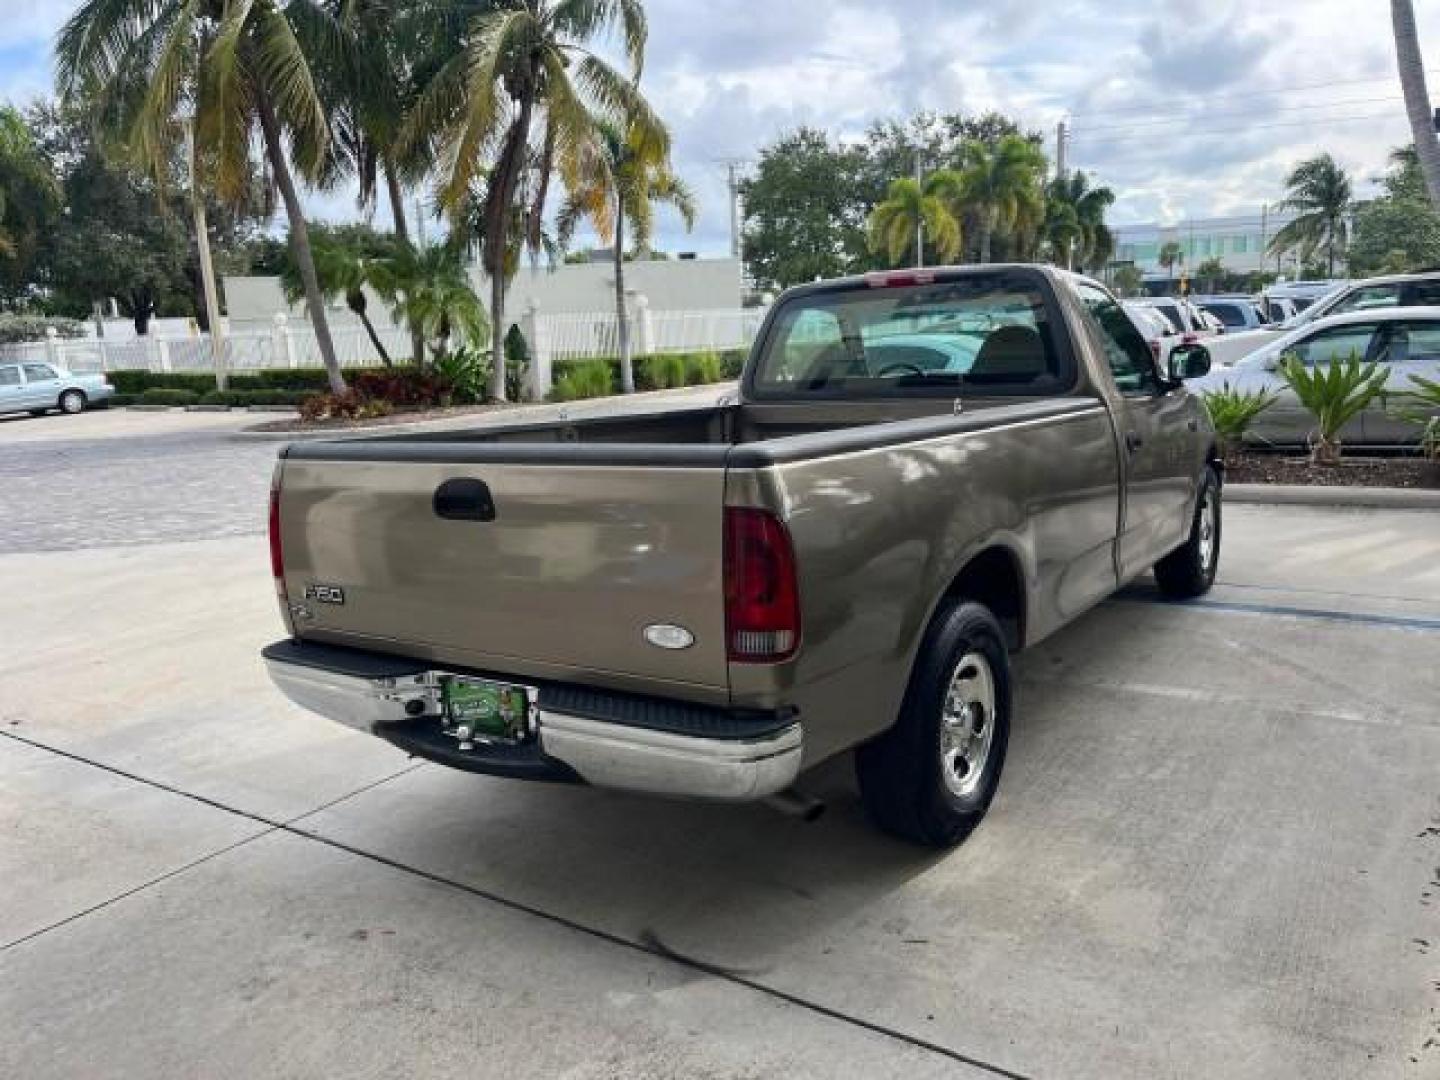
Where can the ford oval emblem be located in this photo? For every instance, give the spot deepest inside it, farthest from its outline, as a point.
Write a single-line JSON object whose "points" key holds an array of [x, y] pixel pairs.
{"points": [[669, 636]]}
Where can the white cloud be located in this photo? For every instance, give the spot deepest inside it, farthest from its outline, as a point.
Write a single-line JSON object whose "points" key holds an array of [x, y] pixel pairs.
{"points": [[1180, 108]]}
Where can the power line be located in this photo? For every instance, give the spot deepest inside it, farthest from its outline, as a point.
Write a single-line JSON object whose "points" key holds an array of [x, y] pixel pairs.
{"points": [[1226, 98], [1207, 130], [1180, 117]]}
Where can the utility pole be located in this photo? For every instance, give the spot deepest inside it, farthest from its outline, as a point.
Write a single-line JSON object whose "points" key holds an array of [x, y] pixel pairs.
{"points": [[733, 168], [1062, 137], [919, 218], [1264, 231], [207, 268]]}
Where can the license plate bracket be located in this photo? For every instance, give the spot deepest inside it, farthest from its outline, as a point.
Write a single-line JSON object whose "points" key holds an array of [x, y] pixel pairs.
{"points": [[488, 711]]}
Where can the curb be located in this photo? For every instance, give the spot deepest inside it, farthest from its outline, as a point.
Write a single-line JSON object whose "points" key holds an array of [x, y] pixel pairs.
{"points": [[1306, 495]]}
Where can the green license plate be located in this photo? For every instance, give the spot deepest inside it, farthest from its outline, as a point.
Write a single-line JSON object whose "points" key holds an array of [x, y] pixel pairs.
{"points": [[480, 709]]}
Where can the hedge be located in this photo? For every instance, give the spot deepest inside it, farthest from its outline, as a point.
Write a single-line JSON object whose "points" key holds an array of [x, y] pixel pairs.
{"points": [[237, 399], [663, 371], [164, 396], [311, 380]]}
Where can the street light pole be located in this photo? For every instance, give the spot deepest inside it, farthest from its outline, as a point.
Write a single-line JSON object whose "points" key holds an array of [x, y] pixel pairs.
{"points": [[207, 268], [919, 216]]}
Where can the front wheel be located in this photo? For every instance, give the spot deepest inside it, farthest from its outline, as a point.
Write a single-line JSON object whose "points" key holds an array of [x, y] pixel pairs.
{"points": [[1189, 570], [931, 777], [71, 402]]}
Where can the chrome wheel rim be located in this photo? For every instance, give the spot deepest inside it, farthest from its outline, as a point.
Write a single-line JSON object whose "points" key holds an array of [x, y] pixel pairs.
{"points": [[1208, 509], [967, 724]]}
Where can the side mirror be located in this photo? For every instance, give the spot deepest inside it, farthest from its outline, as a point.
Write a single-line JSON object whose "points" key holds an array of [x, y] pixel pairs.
{"points": [[1189, 362]]}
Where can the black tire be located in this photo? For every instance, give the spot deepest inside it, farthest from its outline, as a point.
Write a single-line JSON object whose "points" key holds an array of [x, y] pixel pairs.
{"points": [[1189, 570], [72, 402], [38, 412], [903, 773]]}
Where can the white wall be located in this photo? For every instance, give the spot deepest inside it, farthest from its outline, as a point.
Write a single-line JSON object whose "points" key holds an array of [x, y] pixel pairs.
{"points": [[669, 285], [251, 304]]}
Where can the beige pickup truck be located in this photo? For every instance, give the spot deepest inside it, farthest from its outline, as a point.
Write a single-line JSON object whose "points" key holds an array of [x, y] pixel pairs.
{"points": [[924, 472]]}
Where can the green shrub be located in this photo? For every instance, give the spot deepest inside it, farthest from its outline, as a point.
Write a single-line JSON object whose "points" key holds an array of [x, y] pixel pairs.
{"points": [[467, 370], [302, 380], [18, 328], [1334, 395], [587, 379], [703, 368], [164, 396], [242, 398], [1422, 406], [1233, 411], [732, 362], [119, 401]]}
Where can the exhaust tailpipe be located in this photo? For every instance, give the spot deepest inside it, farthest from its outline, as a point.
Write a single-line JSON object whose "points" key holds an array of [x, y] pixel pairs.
{"points": [[795, 803]]}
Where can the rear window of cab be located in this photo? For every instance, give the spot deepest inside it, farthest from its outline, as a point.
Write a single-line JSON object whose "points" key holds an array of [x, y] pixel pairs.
{"points": [[898, 335]]}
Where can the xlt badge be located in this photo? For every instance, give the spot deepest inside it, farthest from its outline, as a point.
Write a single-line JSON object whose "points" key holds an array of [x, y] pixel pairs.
{"points": [[325, 594]]}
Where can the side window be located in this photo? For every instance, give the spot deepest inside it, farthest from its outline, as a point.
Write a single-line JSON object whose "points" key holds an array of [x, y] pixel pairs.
{"points": [[1130, 361], [812, 333], [9, 376], [1337, 345], [39, 372], [1422, 294], [1229, 314], [1372, 296], [1416, 342]]}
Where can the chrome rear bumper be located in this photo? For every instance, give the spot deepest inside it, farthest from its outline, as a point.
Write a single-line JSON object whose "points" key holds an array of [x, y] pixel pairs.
{"points": [[600, 752]]}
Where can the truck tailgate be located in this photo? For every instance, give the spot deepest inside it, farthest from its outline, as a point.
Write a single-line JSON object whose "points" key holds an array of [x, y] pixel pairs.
{"points": [[559, 580]]}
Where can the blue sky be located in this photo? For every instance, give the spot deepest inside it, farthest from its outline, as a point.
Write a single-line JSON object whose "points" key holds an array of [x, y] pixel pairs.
{"points": [[1180, 110]]}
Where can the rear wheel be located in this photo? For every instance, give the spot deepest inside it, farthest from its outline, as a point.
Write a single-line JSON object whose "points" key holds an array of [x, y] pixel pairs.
{"points": [[1189, 570], [931, 777], [72, 401]]}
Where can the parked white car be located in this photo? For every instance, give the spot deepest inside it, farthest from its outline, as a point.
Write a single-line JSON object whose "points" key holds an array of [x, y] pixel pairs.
{"points": [[1369, 294], [1159, 332], [37, 388], [1194, 324], [1405, 341]]}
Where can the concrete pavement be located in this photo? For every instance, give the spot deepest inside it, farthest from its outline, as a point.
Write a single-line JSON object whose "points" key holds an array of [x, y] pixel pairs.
{"points": [[1215, 853]]}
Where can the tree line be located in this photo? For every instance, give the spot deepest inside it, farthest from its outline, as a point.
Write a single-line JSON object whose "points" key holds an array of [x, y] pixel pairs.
{"points": [[947, 187], [496, 107]]}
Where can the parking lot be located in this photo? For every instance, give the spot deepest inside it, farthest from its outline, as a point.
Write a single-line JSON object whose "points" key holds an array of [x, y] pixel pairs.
{"points": [[1215, 852]]}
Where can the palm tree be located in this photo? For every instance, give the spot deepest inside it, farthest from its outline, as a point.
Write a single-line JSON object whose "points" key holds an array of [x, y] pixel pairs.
{"points": [[30, 195], [895, 223], [634, 175], [1171, 255], [1321, 197], [519, 64], [1210, 271], [1077, 212], [430, 292], [1000, 184], [1417, 97], [341, 271], [236, 66], [371, 86]]}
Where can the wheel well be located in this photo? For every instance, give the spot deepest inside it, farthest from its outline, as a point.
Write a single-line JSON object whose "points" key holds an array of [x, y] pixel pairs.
{"points": [[993, 578], [74, 390]]}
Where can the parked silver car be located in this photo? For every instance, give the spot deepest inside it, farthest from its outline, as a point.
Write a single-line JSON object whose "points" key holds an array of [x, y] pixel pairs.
{"points": [[37, 388], [1405, 341]]}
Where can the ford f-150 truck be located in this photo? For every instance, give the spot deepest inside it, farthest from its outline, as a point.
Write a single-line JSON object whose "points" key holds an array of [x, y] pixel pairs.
{"points": [[923, 472]]}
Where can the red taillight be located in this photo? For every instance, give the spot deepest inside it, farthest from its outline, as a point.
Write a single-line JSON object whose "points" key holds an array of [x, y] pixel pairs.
{"points": [[762, 598], [277, 553]]}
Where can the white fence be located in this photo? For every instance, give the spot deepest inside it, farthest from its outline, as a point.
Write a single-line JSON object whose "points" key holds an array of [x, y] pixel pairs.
{"points": [[552, 339], [282, 347], [594, 334]]}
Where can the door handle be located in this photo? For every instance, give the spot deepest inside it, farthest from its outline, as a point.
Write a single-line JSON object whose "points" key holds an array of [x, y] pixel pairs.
{"points": [[1133, 441], [464, 499]]}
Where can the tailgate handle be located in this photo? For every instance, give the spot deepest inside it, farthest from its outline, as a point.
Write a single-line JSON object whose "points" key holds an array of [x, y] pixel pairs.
{"points": [[464, 499]]}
